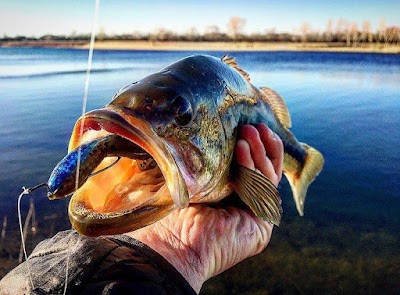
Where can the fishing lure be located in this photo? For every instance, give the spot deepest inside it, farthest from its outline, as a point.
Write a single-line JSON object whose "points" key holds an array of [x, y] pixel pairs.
{"points": [[76, 167]]}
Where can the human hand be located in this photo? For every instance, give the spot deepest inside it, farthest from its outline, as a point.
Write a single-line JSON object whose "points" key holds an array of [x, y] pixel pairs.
{"points": [[201, 241]]}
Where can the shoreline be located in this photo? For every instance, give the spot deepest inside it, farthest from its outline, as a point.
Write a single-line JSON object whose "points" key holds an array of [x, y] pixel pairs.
{"points": [[207, 46]]}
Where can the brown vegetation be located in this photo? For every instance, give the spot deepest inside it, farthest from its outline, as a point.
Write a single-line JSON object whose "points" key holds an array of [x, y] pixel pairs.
{"points": [[343, 33]]}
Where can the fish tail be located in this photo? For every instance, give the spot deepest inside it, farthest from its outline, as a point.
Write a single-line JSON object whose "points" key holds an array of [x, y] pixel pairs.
{"points": [[300, 175], [301, 163]]}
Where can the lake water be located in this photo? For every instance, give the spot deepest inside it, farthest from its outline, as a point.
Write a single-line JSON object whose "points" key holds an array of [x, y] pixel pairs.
{"points": [[346, 105]]}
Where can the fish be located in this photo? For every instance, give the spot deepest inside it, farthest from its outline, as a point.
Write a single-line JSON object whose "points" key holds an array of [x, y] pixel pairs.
{"points": [[168, 140]]}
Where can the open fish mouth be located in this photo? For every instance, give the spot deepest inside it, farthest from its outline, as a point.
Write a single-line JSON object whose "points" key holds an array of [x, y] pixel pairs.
{"points": [[128, 195]]}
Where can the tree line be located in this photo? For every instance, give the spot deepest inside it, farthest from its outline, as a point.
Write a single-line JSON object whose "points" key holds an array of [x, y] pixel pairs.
{"points": [[342, 31]]}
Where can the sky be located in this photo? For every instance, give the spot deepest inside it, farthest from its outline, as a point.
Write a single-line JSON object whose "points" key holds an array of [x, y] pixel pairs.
{"points": [[64, 17]]}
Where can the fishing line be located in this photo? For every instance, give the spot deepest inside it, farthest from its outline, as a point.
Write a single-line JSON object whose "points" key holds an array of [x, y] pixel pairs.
{"points": [[105, 168], [26, 191], [87, 80], [84, 104]]}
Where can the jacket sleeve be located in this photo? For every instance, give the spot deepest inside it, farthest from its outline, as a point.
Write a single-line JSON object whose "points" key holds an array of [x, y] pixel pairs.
{"points": [[103, 265]]}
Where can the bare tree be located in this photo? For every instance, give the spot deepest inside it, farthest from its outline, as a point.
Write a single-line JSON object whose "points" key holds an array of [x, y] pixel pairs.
{"points": [[101, 35], [329, 31], [213, 33], [270, 34], [347, 33], [340, 28], [73, 34], [235, 26], [398, 35], [137, 35], [192, 34], [305, 30], [162, 34], [382, 36], [193, 31], [213, 29], [366, 34], [354, 33], [393, 34]]}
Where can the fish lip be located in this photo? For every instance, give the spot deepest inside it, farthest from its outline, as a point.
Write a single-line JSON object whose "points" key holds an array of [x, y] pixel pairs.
{"points": [[93, 224], [119, 121]]}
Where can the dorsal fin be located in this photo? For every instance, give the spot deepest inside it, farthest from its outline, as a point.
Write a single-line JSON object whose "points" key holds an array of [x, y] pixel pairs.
{"points": [[230, 61], [277, 105]]}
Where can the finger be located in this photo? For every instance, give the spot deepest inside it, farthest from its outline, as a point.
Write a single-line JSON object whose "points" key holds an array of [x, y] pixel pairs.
{"points": [[257, 151], [243, 156], [273, 146]]}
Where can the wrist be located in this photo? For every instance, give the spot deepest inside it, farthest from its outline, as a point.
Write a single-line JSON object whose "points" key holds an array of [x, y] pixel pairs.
{"points": [[179, 255]]}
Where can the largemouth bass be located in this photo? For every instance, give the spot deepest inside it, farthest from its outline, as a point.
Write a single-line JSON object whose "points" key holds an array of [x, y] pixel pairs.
{"points": [[175, 132]]}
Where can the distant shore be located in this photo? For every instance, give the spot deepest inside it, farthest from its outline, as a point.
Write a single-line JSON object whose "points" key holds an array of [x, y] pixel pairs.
{"points": [[208, 46]]}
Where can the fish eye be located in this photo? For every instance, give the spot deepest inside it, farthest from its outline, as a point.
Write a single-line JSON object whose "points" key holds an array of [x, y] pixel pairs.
{"points": [[182, 110]]}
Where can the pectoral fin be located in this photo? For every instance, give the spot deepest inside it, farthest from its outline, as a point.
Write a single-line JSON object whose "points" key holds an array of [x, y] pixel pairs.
{"points": [[259, 193]]}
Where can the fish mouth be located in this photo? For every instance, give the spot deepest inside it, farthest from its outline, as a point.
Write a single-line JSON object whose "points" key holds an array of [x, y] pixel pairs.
{"points": [[124, 197]]}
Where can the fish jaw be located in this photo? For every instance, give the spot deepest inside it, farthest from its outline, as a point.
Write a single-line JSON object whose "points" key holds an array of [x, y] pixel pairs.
{"points": [[93, 220]]}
